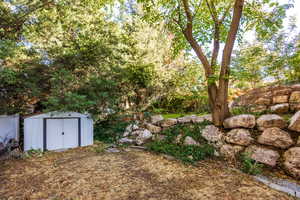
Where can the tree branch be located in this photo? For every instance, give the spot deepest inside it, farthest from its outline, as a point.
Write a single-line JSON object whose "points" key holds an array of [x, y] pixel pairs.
{"points": [[188, 33]]}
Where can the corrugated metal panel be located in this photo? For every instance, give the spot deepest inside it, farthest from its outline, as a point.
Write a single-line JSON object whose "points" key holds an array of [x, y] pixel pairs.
{"points": [[9, 128]]}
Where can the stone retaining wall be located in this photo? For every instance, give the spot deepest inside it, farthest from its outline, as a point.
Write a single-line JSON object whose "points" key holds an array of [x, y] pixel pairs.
{"points": [[278, 99], [268, 139]]}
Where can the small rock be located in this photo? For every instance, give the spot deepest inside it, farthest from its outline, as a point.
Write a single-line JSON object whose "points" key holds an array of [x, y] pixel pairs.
{"points": [[263, 155], [280, 108], [168, 122], [239, 136], [230, 151], [263, 101], [185, 119], [152, 128], [240, 121], [295, 122], [112, 150], [276, 137], [129, 129], [189, 141], [269, 121], [178, 139], [126, 141], [280, 99], [295, 97], [212, 134], [144, 136], [258, 108], [292, 161], [156, 118]]}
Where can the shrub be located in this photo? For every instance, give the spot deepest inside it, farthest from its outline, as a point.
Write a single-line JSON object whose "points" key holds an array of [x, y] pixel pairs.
{"points": [[249, 165], [110, 130], [186, 153]]}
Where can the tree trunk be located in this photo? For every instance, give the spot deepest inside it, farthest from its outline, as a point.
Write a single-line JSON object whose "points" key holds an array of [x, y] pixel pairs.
{"points": [[218, 95]]}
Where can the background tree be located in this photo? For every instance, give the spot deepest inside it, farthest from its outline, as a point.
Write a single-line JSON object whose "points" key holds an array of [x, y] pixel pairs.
{"points": [[202, 23]]}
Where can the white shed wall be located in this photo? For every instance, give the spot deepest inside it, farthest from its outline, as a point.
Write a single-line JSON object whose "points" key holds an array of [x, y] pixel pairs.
{"points": [[9, 128], [34, 129], [87, 130], [33, 134]]}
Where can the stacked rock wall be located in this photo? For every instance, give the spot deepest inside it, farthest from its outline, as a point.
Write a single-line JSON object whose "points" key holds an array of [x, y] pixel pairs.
{"points": [[278, 99]]}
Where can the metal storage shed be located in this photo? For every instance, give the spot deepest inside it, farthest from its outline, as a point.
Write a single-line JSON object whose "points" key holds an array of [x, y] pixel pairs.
{"points": [[9, 128], [57, 130]]}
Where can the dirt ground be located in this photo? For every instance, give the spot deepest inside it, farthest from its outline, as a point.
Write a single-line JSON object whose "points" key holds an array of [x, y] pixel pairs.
{"points": [[82, 174]]}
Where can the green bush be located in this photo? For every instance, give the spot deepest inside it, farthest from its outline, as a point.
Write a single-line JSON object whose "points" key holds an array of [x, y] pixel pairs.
{"points": [[110, 130], [186, 153], [249, 165]]}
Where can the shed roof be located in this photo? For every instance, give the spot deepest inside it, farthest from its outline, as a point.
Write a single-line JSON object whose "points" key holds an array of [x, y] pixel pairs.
{"points": [[57, 114]]}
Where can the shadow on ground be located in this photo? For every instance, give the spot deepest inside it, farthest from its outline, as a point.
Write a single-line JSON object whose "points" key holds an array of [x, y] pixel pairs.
{"points": [[81, 174]]}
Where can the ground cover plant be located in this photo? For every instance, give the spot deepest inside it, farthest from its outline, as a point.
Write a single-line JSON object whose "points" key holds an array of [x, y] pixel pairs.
{"points": [[186, 153]]}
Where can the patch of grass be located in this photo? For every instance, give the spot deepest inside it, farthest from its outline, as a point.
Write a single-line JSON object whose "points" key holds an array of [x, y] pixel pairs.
{"points": [[33, 153], [177, 115], [246, 110], [250, 166], [186, 153], [99, 148], [193, 130], [287, 117]]}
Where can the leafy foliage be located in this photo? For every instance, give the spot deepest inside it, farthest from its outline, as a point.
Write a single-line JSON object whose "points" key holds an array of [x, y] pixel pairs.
{"points": [[250, 166], [185, 153], [110, 130]]}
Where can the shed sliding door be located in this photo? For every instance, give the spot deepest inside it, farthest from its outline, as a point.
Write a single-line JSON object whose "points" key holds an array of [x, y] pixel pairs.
{"points": [[62, 133]]}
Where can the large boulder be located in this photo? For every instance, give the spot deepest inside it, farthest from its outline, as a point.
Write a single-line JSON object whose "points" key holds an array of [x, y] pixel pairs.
{"points": [[295, 97], [213, 135], [143, 136], [295, 106], [168, 122], [276, 137], [152, 128], [263, 101], [280, 99], [156, 118], [239, 136], [280, 108], [292, 161], [240, 121], [269, 121], [189, 141], [295, 122], [263, 155], [230, 151], [282, 90]]}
